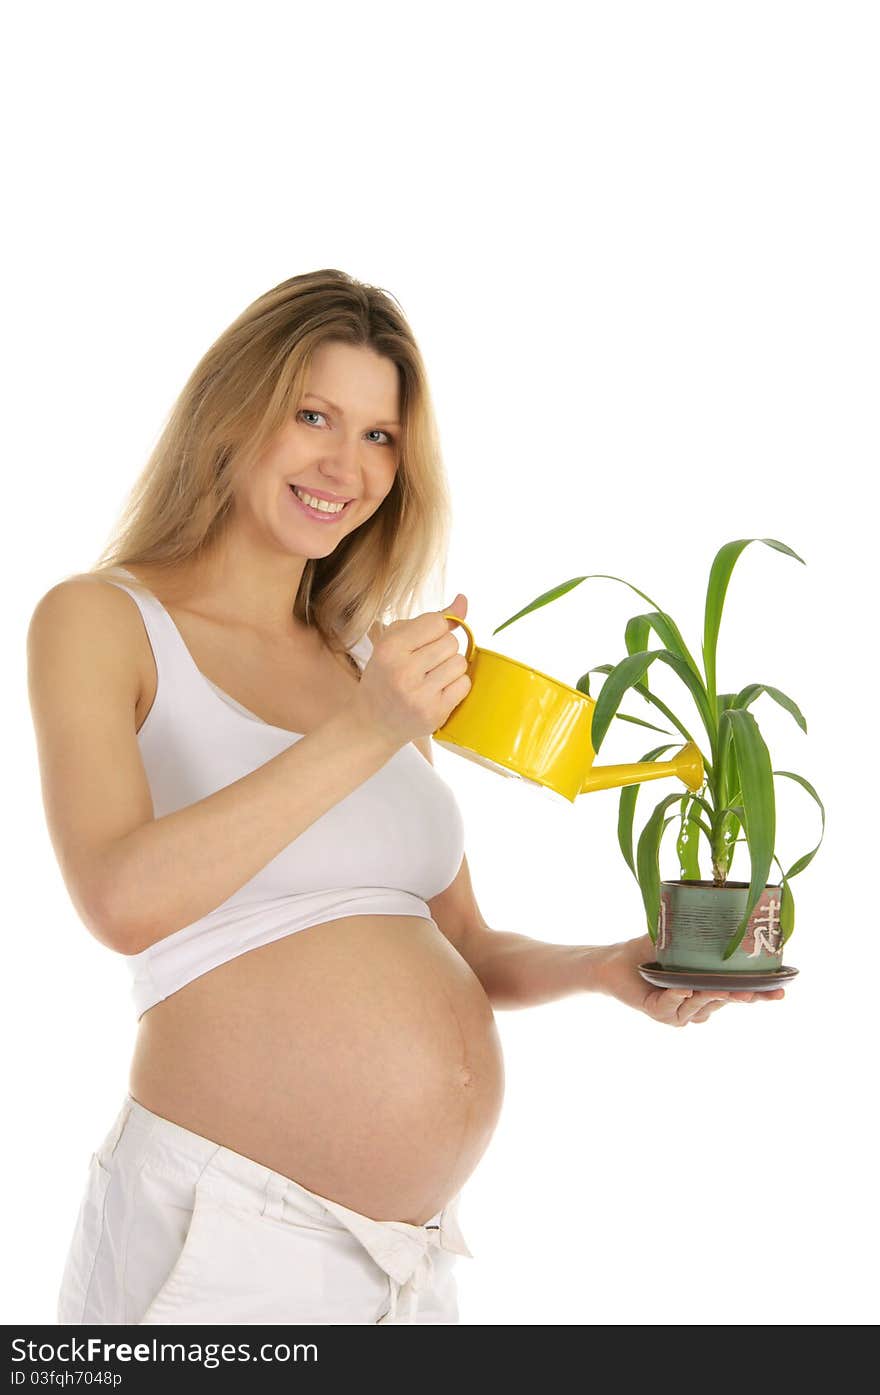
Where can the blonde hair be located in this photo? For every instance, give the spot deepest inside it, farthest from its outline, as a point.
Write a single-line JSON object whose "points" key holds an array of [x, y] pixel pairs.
{"points": [[237, 397]]}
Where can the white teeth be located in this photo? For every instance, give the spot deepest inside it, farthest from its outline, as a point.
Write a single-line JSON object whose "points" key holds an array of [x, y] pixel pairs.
{"points": [[323, 505]]}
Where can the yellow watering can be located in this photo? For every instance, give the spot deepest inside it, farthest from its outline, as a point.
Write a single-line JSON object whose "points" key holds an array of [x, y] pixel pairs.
{"points": [[523, 723]]}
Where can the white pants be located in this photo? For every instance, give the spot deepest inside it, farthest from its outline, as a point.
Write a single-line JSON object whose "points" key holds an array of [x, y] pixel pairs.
{"points": [[174, 1228]]}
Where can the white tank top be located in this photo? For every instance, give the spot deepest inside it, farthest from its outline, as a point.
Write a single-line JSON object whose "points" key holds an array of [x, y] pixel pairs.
{"points": [[388, 847]]}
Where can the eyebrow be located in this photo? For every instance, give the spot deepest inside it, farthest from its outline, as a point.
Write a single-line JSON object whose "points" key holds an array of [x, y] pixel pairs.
{"points": [[319, 398]]}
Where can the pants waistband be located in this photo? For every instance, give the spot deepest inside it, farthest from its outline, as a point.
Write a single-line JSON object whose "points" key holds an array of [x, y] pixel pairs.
{"points": [[255, 1187]]}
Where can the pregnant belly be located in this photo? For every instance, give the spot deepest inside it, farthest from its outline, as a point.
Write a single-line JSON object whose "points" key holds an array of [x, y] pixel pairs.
{"points": [[359, 1058]]}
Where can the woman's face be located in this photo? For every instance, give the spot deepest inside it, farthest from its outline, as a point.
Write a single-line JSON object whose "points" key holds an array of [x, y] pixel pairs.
{"points": [[343, 442]]}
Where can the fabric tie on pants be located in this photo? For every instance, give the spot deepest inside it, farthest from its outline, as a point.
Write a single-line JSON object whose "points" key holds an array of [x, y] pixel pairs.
{"points": [[403, 1251]]}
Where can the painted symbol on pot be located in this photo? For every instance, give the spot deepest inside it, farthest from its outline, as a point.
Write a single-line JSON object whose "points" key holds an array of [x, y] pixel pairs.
{"points": [[662, 933], [764, 933]]}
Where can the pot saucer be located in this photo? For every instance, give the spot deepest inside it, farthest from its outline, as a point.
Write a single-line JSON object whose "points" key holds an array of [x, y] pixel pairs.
{"points": [[705, 978]]}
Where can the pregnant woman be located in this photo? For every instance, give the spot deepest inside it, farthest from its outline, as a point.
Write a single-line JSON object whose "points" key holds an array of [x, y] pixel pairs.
{"points": [[236, 766]]}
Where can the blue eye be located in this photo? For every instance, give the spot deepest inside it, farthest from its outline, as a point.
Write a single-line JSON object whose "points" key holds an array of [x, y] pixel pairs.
{"points": [[309, 411]]}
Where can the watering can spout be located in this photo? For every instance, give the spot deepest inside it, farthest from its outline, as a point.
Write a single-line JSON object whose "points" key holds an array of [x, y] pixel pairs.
{"points": [[686, 766]]}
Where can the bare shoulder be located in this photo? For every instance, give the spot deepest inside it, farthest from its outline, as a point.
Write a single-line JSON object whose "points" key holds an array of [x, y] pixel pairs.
{"points": [[86, 594], [100, 619]]}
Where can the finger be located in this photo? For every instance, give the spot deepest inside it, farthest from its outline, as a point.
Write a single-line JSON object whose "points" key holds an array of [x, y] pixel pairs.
{"points": [[679, 1006], [773, 994], [746, 997], [664, 1003], [706, 1012], [701, 1007]]}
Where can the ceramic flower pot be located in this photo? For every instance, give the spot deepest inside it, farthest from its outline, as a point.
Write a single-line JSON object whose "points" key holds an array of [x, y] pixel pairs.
{"points": [[697, 920]]}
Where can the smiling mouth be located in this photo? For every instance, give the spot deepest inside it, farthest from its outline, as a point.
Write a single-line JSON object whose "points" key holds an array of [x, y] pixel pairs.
{"points": [[322, 514]]}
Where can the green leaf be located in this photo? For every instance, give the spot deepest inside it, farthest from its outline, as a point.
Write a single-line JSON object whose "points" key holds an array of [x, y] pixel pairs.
{"points": [[625, 814], [627, 808], [688, 842], [719, 577], [622, 717], [697, 799], [583, 686], [728, 825], [636, 635], [552, 595], [648, 861], [731, 819], [748, 695], [786, 906], [639, 627], [730, 781], [627, 673], [759, 808], [725, 789], [786, 910], [544, 599], [807, 858]]}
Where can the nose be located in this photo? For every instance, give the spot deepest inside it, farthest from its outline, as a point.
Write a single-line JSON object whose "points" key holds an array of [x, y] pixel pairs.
{"points": [[342, 469]]}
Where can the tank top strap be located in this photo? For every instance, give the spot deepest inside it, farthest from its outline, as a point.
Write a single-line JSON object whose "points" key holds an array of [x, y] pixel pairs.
{"points": [[173, 660], [361, 651]]}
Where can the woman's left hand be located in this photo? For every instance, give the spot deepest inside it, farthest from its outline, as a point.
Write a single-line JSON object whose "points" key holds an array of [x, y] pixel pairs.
{"points": [[617, 975]]}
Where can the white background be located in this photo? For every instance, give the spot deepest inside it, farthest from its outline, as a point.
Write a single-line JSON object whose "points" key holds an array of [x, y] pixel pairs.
{"points": [[637, 244]]}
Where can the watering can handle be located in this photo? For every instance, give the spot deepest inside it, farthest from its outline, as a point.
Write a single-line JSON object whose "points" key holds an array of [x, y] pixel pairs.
{"points": [[471, 644]]}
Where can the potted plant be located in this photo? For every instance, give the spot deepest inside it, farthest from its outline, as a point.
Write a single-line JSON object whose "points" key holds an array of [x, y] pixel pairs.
{"points": [[702, 927]]}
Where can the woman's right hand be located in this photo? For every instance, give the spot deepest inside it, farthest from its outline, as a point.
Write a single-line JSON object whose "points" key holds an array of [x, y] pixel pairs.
{"points": [[415, 675]]}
